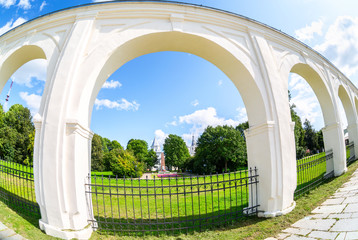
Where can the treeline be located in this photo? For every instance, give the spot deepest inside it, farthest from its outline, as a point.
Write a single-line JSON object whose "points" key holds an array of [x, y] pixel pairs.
{"points": [[17, 134], [220, 148], [107, 155], [308, 140]]}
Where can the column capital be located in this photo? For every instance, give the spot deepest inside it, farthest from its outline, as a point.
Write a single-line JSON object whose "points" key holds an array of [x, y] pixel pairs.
{"points": [[74, 127], [259, 128]]}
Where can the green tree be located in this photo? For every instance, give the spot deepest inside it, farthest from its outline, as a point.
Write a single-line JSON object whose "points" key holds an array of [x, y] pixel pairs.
{"points": [[218, 148], [139, 148], [16, 134], [320, 140], [115, 144], [106, 145], [151, 159], [310, 136], [97, 160], [298, 131], [175, 151], [242, 127], [124, 163]]}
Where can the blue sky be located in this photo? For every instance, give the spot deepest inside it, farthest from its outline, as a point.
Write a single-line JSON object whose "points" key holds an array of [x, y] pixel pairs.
{"points": [[180, 93]]}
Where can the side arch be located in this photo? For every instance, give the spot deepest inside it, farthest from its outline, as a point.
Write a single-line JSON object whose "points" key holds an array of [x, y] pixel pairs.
{"points": [[332, 132], [18, 58], [351, 116]]}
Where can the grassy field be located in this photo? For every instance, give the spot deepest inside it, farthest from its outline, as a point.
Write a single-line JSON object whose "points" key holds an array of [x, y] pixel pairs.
{"points": [[158, 204], [250, 228]]}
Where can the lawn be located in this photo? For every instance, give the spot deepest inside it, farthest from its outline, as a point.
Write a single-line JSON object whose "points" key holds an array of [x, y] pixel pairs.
{"points": [[178, 204], [248, 228]]}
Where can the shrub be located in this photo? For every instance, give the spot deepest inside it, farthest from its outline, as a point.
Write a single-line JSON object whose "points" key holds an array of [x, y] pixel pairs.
{"points": [[123, 163]]}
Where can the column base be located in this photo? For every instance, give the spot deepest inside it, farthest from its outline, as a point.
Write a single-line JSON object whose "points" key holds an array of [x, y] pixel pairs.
{"points": [[66, 233], [337, 174], [277, 213]]}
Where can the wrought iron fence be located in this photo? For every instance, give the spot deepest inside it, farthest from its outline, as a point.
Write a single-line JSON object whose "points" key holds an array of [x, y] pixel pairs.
{"points": [[311, 172], [351, 157], [172, 205], [17, 188]]}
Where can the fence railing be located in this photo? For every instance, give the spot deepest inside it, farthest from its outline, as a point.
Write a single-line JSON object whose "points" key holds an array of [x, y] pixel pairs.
{"points": [[172, 205], [311, 172], [17, 188], [350, 153]]}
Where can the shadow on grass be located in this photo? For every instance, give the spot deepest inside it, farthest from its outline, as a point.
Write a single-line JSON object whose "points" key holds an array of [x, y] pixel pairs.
{"points": [[26, 209], [176, 225]]}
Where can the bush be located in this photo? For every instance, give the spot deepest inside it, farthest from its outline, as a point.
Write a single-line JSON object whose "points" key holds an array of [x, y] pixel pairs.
{"points": [[123, 163]]}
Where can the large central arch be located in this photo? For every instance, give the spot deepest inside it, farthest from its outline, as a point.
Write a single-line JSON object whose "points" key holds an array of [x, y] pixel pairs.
{"points": [[85, 45]]}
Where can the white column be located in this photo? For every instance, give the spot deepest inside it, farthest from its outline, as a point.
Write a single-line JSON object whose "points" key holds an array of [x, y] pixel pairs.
{"points": [[277, 176], [70, 218], [353, 135], [333, 140]]}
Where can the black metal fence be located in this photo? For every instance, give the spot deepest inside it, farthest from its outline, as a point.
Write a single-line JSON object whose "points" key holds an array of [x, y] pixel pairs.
{"points": [[351, 157], [170, 205], [17, 188], [311, 172]]}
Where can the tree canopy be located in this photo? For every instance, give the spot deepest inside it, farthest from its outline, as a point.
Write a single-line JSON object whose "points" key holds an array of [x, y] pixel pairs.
{"points": [[175, 151], [220, 148]]}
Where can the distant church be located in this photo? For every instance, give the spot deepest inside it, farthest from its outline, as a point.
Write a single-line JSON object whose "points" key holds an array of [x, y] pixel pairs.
{"points": [[160, 165]]}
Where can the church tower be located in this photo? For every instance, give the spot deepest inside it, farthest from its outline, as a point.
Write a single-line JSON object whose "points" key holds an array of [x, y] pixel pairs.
{"points": [[192, 148], [160, 155]]}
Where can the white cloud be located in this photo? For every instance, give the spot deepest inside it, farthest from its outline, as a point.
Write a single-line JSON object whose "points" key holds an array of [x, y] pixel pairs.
{"points": [[201, 119], [173, 123], [341, 44], [9, 25], [160, 136], [123, 104], [7, 3], [220, 82], [242, 117], [306, 102], [32, 101], [112, 84], [308, 32], [25, 4], [195, 103], [43, 4], [29, 71]]}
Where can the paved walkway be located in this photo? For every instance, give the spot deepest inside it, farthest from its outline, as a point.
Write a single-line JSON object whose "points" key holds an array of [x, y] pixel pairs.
{"points": [[336, 218], [8, 234]]}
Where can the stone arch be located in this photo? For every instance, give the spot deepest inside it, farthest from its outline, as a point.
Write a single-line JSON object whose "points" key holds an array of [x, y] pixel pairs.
{"points": [[18, 58], [351, 114], [332, 132], [190, 43]]}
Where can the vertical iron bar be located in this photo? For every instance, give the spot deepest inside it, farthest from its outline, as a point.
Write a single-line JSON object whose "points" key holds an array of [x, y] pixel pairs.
{"points": [[156, 209]]}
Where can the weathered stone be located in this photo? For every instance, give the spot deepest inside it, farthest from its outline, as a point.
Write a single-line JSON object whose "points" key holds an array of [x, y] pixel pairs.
{"points": [[323, 235], [333, 201], [351, 235], [283, 235], [340, 215], [351, 208], [330, 209], [316, 224], [297, 231], [345, 225], [295, 237], [351, 200]]}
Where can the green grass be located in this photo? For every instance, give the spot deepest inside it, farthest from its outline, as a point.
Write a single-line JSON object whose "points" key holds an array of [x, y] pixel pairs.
{"points": [[219, 198], [250, 228]]}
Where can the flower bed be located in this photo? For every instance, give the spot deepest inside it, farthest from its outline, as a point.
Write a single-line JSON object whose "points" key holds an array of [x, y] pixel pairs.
{"points": [[168, 175]]}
